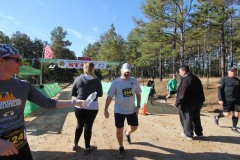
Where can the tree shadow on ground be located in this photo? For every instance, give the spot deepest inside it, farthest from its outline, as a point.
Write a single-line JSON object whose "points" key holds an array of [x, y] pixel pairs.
{"points": [[65, 95], [134, 154], [64, 85], [161, 108], [49, 121]]}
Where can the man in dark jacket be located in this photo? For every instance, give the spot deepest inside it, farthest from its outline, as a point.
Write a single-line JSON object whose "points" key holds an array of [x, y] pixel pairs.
{"points": [[229, 98], [189, 101]]}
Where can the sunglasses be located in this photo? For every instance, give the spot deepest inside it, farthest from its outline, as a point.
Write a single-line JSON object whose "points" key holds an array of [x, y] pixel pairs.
{"points": [[18, 60]]}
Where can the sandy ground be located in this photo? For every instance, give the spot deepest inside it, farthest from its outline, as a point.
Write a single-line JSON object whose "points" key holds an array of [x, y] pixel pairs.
{"points": [[51, 133]]}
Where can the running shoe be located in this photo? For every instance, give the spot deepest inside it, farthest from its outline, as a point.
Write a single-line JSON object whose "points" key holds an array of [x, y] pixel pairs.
{"points": [[76, 148], [89, 150], [199, 136], [186, 136], [216, 120], [128, 138], [235, 130], [120, 153]]}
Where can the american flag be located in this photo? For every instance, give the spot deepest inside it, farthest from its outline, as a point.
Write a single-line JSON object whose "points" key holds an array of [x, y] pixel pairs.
{"points": [[48, 53]]}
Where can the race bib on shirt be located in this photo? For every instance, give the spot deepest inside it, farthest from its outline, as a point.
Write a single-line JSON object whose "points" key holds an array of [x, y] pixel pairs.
{"points": [[127, 92], [17, 137]]}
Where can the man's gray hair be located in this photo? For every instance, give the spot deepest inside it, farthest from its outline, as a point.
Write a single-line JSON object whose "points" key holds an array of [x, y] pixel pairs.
{"points": [[185, 68]]}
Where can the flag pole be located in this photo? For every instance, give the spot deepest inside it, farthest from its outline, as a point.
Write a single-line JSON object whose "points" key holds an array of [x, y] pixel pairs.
{"points": [[41, 75]]}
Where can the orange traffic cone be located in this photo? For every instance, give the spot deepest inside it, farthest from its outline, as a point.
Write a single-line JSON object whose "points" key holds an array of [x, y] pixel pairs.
{"points": [[144, 109]]}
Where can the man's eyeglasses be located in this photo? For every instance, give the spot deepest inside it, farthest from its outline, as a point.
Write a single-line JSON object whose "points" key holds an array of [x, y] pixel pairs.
{"points": [[18, 60]]}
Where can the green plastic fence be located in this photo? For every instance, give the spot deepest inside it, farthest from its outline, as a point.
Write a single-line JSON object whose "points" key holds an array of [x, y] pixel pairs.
{"points": [[144, 94], [49, 90]]}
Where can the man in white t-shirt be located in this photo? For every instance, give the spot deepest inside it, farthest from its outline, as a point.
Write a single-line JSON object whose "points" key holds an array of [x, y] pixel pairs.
{"points": [[124, 89]]}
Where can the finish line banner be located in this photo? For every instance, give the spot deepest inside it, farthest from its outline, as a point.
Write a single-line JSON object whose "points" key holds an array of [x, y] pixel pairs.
{"points": [[64, 63]]}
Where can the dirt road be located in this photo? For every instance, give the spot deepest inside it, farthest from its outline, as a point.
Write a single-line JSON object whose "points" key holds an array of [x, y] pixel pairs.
{"points": [[51, 133]]}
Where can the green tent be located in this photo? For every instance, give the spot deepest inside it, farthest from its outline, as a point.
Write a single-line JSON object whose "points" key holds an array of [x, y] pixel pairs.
{"points": [[25, 70]]}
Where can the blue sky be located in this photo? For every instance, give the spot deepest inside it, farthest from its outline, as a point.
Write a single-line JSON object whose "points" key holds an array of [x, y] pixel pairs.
{"points": [[84, 20]]}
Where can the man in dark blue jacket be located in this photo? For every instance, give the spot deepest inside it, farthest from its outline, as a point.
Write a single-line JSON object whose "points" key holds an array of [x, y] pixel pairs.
{"points": [[189, 101]]}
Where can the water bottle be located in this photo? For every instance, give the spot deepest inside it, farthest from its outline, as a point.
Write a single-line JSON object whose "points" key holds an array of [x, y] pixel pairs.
{"points": [[89, 99]]}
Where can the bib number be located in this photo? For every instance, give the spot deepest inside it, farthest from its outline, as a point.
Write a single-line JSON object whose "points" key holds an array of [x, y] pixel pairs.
{"points": [[127, 92], [17, 137]]}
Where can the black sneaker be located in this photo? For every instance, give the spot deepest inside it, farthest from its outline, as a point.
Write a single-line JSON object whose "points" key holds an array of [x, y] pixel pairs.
{"points": [[120, 153], [200, 136], [128, 138], [216, 120], [235, 130], [76, 148]]}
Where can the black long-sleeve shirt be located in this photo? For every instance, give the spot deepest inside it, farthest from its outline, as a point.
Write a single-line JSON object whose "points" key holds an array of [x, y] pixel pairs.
{"points": [[190, 91], [229, 89]]}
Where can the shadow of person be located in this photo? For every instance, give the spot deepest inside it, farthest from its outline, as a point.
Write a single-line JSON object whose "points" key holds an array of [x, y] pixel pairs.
{"points": [[221, 139], [161, 153], [173, 154]]}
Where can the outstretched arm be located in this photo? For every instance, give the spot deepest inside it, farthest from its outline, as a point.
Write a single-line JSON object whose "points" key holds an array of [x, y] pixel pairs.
{"points": [[68, 103]]}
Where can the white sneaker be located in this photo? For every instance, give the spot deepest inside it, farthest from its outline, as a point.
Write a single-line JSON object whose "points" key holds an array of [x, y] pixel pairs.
{"points": [[187, 137]]}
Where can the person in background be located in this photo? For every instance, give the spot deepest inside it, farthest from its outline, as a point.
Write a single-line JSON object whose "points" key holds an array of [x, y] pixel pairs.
{"points": [[83, 86], [98, 73], [13, 96], [172, 86], [151, 84], [124, 89], [229, 98], [189, 101]]}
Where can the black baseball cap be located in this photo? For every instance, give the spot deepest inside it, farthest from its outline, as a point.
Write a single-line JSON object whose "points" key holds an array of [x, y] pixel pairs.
{"points": [[232, 69]]}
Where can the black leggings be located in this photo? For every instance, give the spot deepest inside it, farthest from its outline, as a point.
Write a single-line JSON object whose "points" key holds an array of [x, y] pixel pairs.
{"points": [[85, 118], [24, 153]]}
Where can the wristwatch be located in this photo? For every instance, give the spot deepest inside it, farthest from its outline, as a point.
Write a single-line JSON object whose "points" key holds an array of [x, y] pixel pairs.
{"points": [[138, 106]]}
